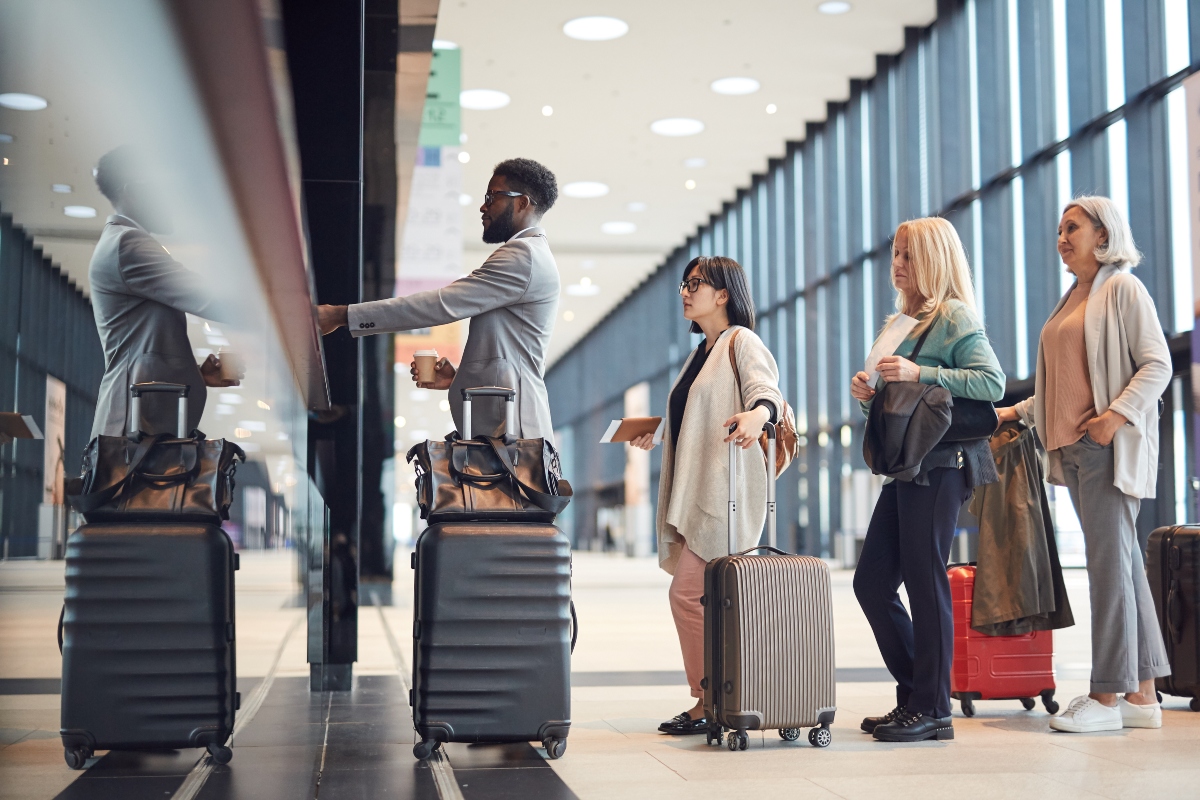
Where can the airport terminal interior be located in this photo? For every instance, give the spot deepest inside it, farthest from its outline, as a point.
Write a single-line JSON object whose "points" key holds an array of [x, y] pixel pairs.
{"points": [[288, 157]]}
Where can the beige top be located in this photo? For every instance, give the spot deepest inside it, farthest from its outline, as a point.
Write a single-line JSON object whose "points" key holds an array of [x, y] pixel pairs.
{"points": [[1069, 400]]}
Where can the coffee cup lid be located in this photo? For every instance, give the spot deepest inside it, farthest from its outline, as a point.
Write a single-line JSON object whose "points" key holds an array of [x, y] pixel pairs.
{"points": [[425, 353]]}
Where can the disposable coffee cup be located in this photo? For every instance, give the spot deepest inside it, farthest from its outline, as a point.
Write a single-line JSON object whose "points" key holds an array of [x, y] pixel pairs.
{"points": [[232, 368], [426, 365]]}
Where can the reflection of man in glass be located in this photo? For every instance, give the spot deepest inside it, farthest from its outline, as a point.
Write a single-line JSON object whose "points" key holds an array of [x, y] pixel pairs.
{"points": [[139, 296]]}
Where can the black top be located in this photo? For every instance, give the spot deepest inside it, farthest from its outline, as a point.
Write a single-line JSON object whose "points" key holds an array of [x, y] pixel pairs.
{"points": [[679, 395]]}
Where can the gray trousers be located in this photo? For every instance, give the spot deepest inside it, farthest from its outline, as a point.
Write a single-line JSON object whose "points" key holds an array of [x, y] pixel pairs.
{"points": [[1127, 644]]}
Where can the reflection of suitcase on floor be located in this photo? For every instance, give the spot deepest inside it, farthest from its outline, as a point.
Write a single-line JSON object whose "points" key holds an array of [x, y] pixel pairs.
{"points": [[768, 637], [996, 667], [148, 639], [1173, 567]]}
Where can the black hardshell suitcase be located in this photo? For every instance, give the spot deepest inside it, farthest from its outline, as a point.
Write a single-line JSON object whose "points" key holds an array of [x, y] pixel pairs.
{"points": [[492, 629], [768, 636], [1173, 567], [147, 639]]}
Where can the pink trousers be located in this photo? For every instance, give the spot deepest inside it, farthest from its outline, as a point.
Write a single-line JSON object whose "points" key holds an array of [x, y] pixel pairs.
{"points": [[687, 587]]}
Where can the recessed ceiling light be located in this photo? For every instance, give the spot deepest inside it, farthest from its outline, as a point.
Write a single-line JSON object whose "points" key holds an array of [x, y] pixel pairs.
{"points": [[254, 425], [464, 199], [462, 138], [79, 212], [61, 188], [582, 289], [618, 228], [444, 44], [834, 7], [241, 433], [585, 281], [636, 207], [224, 410], [6, 138], [568, 315], [400, 422], [596, 29], [464, 157], [588, 263], [264, 405], [695, 163], [585, 189], [735, 86], [772, 108], [547, 111], [19, 101], [689, 184], [483, 99], [231, 398], [677, 126], [444, 405]]}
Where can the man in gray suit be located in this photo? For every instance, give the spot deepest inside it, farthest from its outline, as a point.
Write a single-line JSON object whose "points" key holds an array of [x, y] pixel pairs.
{"points": [[139, 297], [511, 299]]}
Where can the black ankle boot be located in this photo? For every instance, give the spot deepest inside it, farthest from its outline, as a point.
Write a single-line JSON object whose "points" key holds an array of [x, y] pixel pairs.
{"points": [[910, 727], [869, 724]]}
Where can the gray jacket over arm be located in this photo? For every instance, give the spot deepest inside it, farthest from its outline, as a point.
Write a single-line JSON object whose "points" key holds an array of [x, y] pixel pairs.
{"points": [[511, 300], [140, 298]]}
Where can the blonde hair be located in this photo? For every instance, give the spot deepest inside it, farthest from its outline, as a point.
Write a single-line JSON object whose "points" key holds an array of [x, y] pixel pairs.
{"points": [[939, 270], [1105, 216]]}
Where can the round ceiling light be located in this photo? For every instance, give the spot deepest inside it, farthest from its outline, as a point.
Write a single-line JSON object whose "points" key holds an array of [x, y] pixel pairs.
{"points": [[585, 189], [483, 99], [735, 86], [618, 228], [636, 207], [677, 126], [79, 212], [464, 199], [444, 44], [834, 7], [19, 101], [695, 163], [596, 29]]}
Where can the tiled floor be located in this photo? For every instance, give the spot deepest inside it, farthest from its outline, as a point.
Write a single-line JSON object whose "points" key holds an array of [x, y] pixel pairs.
{"points": [[628, 679]]}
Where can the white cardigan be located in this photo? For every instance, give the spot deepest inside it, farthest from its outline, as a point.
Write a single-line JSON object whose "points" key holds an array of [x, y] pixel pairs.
{"points": [[1130, 368], [693, 487]]}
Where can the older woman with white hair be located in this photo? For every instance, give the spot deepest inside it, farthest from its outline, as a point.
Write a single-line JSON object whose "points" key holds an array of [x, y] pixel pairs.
{"points": [[1102, 366]]}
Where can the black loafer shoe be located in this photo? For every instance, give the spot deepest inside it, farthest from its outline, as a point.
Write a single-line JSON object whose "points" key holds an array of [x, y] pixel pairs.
{"points": [[686, 727], [869, 724], [909, 727], [678, 718]]}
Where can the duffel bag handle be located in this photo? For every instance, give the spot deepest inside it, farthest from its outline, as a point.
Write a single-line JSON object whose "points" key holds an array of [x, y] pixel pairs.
{"points": [[774, 550], [467, 477], [86, 503], [547, 502]]}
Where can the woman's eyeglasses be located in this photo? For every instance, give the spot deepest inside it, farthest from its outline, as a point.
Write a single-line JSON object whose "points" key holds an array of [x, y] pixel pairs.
{"points": [[692, 285], [490, 196]]}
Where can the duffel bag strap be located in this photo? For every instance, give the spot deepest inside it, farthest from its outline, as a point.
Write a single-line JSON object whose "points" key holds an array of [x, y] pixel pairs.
{"points": [[544, 501], [86, 503]]}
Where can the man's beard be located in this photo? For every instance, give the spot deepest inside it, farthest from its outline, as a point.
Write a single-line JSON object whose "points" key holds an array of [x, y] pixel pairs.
{"points": [[501, 229]]}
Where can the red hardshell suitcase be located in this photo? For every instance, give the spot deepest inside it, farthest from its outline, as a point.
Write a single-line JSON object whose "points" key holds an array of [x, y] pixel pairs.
{"points": [[996, 667]]}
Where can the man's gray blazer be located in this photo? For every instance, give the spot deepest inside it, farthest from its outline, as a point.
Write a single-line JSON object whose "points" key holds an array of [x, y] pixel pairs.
{"points": [[139, 296], [511, 299]]}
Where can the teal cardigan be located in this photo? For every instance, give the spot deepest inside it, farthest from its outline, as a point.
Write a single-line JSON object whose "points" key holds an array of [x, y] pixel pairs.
{"points": [[956, 355]]}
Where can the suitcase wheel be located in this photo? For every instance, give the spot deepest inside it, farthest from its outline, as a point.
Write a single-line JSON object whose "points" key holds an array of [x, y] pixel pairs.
{"points": [[425, 748], [968, 707], [820, 737], [555, 747], [220, 754], [738, 740], [714, 737], [789, 734], [76, 757], [1027, 703], [1049, 702]]}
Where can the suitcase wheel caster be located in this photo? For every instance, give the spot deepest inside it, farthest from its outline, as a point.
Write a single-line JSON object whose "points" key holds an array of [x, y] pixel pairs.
{"points": [[717, 738], [1049, 702], [220, 754], [1027, 703], [555, 747], [738, 740], [789, 734], [968, 707], [425, 748], [1195, 704], [820, 737], [76, 757]]}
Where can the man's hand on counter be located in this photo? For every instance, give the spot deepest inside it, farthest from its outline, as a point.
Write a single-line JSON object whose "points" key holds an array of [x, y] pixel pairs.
{"points": [[330, 318]]}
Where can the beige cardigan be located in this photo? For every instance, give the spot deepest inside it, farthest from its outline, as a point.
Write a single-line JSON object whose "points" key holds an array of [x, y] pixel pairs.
{"points": [[693, 499], [1130, 368]]}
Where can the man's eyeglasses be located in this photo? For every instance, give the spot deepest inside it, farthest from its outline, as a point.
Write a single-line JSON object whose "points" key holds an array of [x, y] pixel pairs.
{"points": [[490, 196], [692, 285]]}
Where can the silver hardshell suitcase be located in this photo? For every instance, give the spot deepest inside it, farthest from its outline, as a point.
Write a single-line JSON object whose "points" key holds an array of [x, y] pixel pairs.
{"points": [[768, 636]]}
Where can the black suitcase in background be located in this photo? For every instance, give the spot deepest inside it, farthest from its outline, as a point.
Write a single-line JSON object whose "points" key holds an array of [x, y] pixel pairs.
{"points": [[147, 639], [1173, 567], [492, 635]]}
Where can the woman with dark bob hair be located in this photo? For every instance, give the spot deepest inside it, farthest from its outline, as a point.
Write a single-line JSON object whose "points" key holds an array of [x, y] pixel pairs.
{"points": [[693, 486]]}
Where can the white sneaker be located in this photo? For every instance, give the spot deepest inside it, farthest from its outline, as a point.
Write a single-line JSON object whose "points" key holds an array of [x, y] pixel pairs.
{"points": [[1085, 715], [1135, 716]]}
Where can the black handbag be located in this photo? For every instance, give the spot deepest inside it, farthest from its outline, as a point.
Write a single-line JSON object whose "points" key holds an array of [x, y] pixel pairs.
{"points": [[970, 419], [488, 479]]}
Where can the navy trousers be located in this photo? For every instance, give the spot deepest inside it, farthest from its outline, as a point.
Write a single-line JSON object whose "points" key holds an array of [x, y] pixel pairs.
{"points": [[908, 541]]}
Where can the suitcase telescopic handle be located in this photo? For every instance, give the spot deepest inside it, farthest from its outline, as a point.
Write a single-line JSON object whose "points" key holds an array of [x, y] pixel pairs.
{"points": [[510, 407], [136, 390], [770, 463]]}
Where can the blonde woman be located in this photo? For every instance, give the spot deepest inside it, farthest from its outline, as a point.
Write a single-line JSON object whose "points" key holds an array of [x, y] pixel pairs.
{"points": [[908, 539], [693, 485], [1102, 365]]}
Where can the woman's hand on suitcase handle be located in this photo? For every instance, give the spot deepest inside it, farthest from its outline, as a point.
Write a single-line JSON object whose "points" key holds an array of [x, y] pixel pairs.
{"points": [[860, 389], [643, 442], [749, 426]]}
